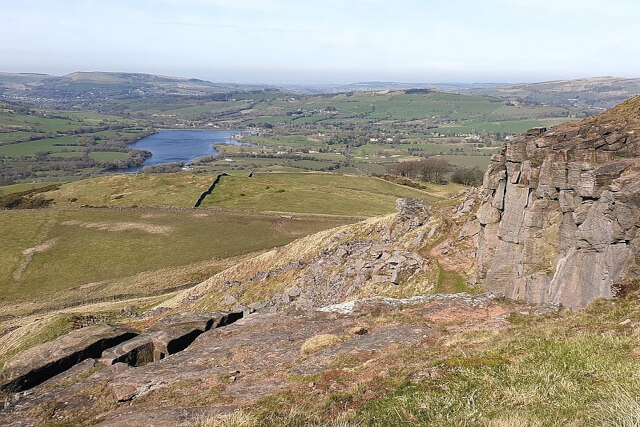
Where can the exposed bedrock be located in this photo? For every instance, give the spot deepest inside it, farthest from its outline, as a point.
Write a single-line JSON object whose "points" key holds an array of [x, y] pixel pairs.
{"points": [[560, 211], [110, 345], [38, 364], [169, 336]]}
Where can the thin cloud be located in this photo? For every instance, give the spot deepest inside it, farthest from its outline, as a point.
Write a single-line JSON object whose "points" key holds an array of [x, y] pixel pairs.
{"points": [[275, 40]]}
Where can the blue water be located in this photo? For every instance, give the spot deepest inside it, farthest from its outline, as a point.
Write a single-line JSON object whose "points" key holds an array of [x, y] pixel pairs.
{"points": [[173, 145]]}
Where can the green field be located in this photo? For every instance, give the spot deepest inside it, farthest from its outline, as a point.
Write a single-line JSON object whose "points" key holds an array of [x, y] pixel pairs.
{"points": [[438, 108], [281, 192], [295, 132], [175, 190], [107, 156], [57, 144], [39, 144], [317, 193]]}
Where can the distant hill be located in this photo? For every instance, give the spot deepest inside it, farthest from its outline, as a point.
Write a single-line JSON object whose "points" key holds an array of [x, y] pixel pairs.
{"points": [[88, 87], [83, 86], [594, 92], [377, 86]]}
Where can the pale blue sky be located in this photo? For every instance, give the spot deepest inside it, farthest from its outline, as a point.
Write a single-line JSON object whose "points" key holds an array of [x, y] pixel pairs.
{"points": [[325, 41]]}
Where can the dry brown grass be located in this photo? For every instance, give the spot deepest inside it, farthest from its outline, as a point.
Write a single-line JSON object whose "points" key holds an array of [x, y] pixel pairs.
{"points": [[122, 226], [302, 250], [320, 342], [234, 419]]}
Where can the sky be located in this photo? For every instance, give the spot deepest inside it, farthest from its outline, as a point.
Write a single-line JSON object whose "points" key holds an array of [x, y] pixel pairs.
{"points": [[325, 41]]}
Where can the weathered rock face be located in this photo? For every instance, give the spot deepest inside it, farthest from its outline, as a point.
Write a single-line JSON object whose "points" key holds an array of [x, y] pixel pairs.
{"points": [[111, 344], [560, 211]]}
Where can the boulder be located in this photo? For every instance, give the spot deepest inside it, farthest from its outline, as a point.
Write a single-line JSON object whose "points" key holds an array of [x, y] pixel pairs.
{"points": [[134, 352], [414, 211], [488, 214]]}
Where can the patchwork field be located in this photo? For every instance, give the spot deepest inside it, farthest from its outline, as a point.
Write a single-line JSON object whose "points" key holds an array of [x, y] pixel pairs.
{"points": [[59, 145], [358, 133]]}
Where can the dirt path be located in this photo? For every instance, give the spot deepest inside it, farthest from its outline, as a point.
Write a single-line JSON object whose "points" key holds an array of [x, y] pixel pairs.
{"points": [[44, 244]]}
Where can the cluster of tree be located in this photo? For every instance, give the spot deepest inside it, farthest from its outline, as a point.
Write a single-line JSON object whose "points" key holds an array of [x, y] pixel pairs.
{"points": [[10, 176], [204, 160], [437, 170], [420, 91], [432, 169], [134, 158], [350, 140], [88, 135], [164, 168], [46, 161], [335, 166], [467, 176]]}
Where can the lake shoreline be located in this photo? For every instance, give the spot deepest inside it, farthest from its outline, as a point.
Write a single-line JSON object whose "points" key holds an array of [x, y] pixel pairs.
{"points": [[183, 145]]}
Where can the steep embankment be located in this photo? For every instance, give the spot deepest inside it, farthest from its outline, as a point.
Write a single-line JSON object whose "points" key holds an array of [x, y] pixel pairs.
{"points": [[560, 211]]}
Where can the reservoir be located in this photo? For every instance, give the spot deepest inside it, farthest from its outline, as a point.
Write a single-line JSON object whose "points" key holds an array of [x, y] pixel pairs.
{"points": [[177, 145]]}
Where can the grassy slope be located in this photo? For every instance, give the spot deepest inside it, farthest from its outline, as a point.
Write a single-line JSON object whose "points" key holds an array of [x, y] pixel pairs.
{"points": [[466, 110], [18, 188], [87, 253], [94, 249], [179, 190]]}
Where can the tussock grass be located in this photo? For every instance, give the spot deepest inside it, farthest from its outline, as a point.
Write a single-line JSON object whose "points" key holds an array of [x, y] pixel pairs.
{"points": [[23, 332], [36, 332], [250, 284], [303, 249], [623, 409], [234, 419], [319, 342]]}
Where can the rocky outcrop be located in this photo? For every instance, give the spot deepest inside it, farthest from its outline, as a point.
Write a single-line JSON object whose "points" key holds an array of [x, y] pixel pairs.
{"points": [[369, 256], [560, 211], [168, 336]]}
